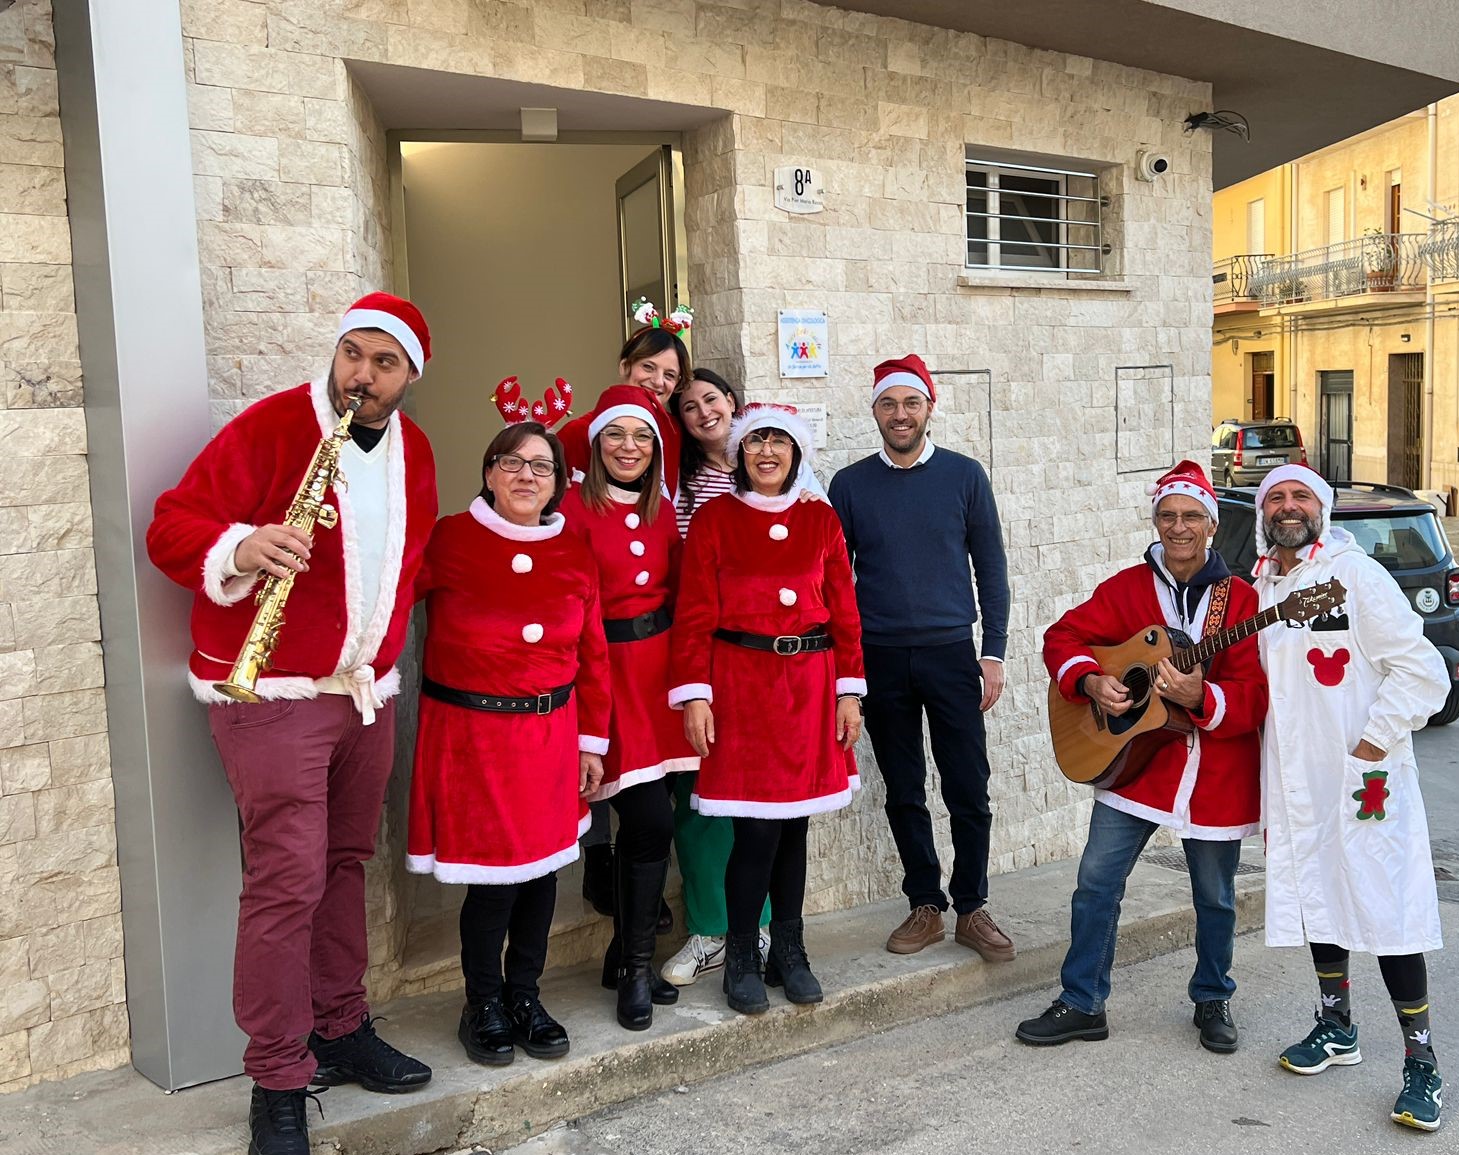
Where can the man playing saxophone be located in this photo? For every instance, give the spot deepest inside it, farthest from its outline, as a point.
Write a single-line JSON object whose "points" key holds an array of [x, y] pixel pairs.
{"points": [[308, 762]]}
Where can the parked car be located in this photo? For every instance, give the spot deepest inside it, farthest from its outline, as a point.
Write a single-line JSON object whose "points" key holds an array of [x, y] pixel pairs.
{"points": [[1243, 452], [1400, 531]]}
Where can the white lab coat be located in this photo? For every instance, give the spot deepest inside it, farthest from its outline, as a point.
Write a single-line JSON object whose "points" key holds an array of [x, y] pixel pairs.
{"points": [[1366, 884]]}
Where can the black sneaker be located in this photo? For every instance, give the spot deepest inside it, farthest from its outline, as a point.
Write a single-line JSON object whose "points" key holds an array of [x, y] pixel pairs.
{"points": [[1218, 1028], [365, 1058], [1060, 1024], [278, 1123], [486, 1033], [535, 1031]]}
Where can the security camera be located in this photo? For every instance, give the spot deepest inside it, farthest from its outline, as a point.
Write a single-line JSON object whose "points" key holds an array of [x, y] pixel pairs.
{"points": [[1150, 165]]}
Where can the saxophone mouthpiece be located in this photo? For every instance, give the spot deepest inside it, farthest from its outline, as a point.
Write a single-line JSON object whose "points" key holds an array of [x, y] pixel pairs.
{"points": [[356, 400]]}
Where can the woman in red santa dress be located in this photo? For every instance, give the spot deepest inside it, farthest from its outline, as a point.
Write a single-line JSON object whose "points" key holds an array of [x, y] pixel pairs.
{"points": [[766, 664], [514, 713], [624, 515]]}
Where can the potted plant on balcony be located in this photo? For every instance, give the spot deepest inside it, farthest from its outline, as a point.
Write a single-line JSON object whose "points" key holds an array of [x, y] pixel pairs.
{"points": [[1380, 260], [1288, 289]]}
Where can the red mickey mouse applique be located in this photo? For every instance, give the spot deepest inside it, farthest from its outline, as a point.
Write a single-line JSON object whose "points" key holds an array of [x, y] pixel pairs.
{"points": [[1328, 668], [1372, 796]]}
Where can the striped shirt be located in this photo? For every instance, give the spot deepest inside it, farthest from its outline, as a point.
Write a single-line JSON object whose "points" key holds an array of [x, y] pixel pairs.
{"points": [[708, 482]]}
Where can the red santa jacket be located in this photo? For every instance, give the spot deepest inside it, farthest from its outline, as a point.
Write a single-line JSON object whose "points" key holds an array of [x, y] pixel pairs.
{"points": [[1207, 788], [639, 564], [246, 477]]}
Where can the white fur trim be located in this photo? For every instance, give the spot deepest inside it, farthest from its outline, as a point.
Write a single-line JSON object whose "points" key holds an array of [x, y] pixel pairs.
{"points": [[777, 503], [646, 774], [468, 872], [892, 380], [602, 420], [272, 689], [753, 417], [219, 584], [851, 686], [1184, 488], [485, 515], [587, 744], [734, 807], [687, 692], [390, 323], [1077, 660], [1219, 712]]}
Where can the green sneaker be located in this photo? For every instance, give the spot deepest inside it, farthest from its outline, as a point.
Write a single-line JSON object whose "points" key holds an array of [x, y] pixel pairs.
{"points": [[1328, 1044], [1422, 1096]]}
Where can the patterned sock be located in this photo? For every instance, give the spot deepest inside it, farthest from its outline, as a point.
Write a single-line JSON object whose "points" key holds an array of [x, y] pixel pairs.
{"points": [[1418, 1038], [1332, 982]]}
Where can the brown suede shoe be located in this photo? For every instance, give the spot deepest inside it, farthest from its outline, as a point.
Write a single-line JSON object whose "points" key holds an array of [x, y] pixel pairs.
{"points": [[922, 927], [979, 931]]}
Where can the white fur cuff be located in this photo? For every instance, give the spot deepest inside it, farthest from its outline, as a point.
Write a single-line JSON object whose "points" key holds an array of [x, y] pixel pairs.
{"points": [[222, 583], [688, 692], [587, 744]]}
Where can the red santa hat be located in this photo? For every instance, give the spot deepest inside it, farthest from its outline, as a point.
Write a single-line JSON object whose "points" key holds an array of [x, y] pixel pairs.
{"points": [[760, 415], [1189, 480], [622, 401], [393, 315], [908, 371]]}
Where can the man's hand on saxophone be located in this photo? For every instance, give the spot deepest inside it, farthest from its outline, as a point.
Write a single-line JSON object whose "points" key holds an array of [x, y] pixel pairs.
{"points": [[273, 549]]}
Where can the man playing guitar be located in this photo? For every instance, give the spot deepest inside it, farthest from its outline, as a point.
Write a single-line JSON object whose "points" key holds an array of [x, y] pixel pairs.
{"points": [[1204, 785]]}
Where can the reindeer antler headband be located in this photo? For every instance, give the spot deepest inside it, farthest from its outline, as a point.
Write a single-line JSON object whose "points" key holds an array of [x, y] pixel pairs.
{"points": [[555, 405]]}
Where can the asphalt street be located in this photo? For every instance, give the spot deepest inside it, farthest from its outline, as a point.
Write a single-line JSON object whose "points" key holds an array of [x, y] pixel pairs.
{"points": [[961, 1083]]}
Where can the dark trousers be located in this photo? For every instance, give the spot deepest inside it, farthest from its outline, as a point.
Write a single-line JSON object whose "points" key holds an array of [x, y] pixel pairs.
{"points": [[768, 858], [944, 681], [519, 915], [645, 822]]}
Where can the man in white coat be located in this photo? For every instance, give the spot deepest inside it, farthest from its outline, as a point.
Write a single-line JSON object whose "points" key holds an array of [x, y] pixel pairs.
{"points": [[1348, 863]]}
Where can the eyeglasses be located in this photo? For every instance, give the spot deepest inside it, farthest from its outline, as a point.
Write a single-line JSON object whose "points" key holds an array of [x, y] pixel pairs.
{"points": [[511, 463], [613, 437], [911, 406], [777, 442], [1170, 520]]}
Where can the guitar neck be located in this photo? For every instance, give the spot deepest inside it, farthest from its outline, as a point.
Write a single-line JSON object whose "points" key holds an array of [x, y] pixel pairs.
{"points": [[1187, 660]]}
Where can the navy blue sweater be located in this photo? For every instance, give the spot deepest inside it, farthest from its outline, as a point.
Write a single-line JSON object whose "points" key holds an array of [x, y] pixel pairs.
{"points": [[911, 533]]}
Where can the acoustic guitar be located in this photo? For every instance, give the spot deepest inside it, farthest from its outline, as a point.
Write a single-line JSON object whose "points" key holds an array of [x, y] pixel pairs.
{"points": [[1108, 751]]}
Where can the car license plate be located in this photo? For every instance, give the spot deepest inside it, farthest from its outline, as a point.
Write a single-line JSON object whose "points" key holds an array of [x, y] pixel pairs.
{"points": [[1270, 460]]}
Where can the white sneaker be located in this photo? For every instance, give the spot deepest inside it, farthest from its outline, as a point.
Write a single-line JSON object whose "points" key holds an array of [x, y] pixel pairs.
{"points": [[700, 955], [764, 945]]}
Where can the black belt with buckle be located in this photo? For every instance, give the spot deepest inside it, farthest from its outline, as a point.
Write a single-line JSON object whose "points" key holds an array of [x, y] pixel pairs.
{"points": [[636, 629], [810, 642], [536, 704]]}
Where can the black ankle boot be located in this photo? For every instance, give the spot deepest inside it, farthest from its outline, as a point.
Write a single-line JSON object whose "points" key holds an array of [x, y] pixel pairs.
{"points": [[640, 888], [664, 993], [598, 877], [486, 1033], [742, 982], [788, 964], [278, 1122]]}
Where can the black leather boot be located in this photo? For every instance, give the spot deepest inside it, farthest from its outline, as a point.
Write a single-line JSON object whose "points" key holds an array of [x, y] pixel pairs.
{"points": [[742, 982], [662, 992], [640, 888], [788, 964], [598, 877]]}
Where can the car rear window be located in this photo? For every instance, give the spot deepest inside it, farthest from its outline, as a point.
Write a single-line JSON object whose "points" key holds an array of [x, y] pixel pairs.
{"points": [[1269, 437], [1412, 541]]}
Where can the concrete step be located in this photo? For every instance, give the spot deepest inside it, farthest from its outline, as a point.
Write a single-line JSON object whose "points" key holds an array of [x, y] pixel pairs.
{"points": [[867, 990]]}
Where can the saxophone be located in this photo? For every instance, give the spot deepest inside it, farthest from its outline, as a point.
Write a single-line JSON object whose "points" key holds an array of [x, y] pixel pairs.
{"points": [[307, 510]]}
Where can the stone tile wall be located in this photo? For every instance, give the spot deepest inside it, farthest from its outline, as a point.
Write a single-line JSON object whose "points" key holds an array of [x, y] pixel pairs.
{"points": [[62, 990]]}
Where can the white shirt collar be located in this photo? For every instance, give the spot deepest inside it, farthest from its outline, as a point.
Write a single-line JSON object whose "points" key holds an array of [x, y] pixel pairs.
{"points": [[922, 460]]}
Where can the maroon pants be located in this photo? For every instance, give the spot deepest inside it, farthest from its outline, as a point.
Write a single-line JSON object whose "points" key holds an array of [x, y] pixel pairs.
{"points": [[309, 780]]}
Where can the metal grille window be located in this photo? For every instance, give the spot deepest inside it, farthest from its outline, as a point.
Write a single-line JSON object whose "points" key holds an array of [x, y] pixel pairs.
{"points": [[1024, 217]]}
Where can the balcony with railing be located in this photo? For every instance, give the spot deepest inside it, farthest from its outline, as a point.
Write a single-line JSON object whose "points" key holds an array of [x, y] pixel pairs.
{"points": [[1372, 263], [1441, 251], [1231, 282]]}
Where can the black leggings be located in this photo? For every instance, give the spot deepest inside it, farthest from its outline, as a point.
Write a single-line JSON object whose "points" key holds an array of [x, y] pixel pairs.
{"points": [[769, 857], [645, 822], [1405, 975], [518, 915]]}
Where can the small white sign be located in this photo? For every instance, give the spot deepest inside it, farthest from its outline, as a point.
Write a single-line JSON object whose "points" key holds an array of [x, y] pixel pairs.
{"points": [[804, 343], [798, 189], [815, 417]]}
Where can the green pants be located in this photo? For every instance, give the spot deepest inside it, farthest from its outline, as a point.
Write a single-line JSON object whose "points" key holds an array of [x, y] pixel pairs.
{"points": [[703, 846]]}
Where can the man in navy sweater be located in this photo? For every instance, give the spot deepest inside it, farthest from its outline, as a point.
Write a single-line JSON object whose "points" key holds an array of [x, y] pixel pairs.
{"points": [[914, 518]]}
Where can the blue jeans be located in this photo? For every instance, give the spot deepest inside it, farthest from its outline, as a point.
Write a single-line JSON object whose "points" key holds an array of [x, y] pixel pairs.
{"points": [[1115, 842]]}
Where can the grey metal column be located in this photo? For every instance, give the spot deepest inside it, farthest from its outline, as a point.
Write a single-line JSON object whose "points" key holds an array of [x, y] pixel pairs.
{"points": [[140, 317]]}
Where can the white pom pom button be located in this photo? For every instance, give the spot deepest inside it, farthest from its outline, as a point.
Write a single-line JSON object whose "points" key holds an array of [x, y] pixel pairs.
{"points": [[631, 521], [779, 532], [532, 632], [635, 548], [787, 597], [521, 564], [641, 579]]}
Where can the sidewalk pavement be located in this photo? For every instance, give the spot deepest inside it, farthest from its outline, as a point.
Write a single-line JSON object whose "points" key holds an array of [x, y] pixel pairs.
{"points": [[867, 990]]}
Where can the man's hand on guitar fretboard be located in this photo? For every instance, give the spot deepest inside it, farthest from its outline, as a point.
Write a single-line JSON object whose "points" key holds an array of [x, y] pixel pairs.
{"points": [[1186, 690]]}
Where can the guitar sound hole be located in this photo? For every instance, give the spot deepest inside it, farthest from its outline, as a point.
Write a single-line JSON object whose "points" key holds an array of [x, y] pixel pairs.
{"points": [[1137, 681]]}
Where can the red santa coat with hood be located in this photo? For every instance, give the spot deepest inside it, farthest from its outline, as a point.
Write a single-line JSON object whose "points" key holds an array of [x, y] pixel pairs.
{"points": [[1208, 786], [638, 570], [247, 477], [768, 566], [512, 611]]}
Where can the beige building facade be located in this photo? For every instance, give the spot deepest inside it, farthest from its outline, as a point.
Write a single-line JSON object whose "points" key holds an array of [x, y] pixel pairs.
{"points": [[233, 173]]}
